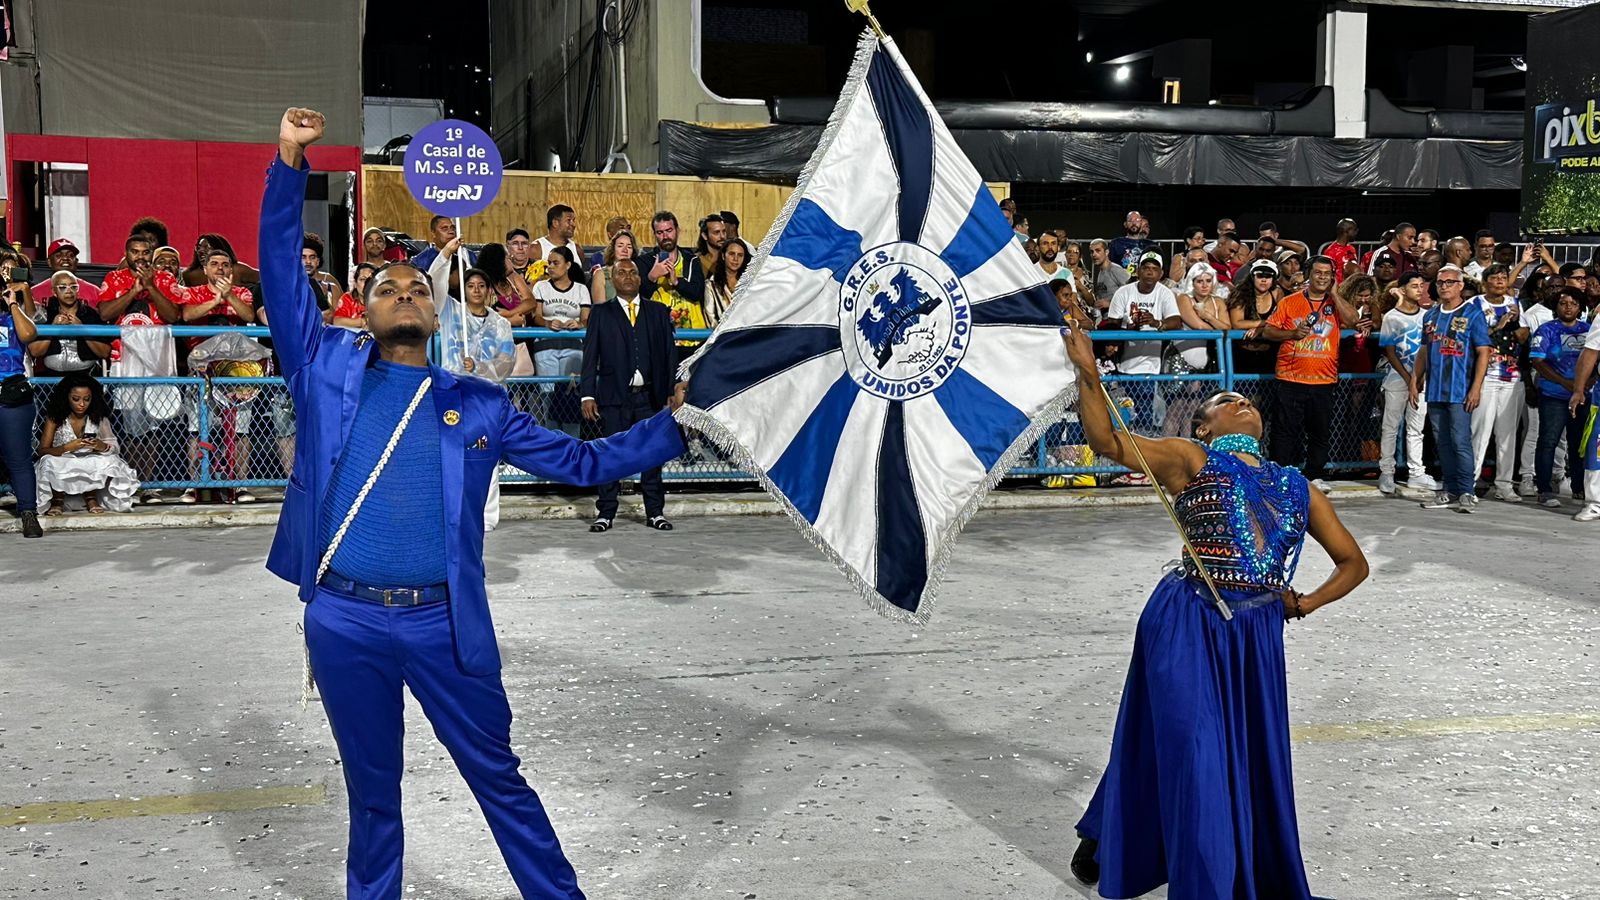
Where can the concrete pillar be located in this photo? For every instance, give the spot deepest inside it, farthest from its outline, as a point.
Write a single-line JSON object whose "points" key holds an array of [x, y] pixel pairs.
{"points": [[1342, 63]]}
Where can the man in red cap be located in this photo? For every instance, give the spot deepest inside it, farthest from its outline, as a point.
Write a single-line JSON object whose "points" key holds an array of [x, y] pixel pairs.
{"points": [[62, 255]]}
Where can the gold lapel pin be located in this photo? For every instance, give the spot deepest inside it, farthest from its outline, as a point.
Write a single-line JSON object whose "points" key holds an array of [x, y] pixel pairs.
{"points": [[451, 417]]}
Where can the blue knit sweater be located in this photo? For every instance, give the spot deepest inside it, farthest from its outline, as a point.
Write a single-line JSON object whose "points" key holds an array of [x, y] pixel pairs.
{"points": [[397, 539]]}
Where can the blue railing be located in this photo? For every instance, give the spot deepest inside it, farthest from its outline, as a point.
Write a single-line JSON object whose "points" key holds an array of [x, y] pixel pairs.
{"points": [[1155, 404]]}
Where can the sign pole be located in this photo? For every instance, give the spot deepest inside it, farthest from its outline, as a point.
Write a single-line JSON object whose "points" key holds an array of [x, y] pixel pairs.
{"points": [[454, 170], [461, 266]]}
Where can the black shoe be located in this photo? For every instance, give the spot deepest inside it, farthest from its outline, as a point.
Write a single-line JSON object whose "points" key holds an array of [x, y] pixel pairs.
{"points": [[660, 523], [30, 524], [600, 525], [1084, 866]]}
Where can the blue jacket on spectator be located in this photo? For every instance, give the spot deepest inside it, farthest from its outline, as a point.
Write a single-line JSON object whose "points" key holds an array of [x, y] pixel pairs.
{"points": [[324, 366]]}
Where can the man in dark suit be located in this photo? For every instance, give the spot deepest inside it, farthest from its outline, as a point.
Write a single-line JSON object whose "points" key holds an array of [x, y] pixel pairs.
{"points": [[629, 362]]}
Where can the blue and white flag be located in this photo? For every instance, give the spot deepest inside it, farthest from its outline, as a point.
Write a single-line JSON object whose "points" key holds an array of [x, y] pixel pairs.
{"points": [[891, 349]]}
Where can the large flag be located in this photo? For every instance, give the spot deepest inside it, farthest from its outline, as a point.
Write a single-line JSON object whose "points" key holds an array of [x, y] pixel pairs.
{"points": [[891, 350]]}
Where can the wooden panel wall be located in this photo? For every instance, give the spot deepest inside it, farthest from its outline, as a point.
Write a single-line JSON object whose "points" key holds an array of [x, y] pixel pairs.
{"points": [[525, 196]]}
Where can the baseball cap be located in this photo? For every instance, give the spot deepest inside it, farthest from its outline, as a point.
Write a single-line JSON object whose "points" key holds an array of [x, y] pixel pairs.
{"points": [[1264, 265], [1151, 256], [58, 245]]}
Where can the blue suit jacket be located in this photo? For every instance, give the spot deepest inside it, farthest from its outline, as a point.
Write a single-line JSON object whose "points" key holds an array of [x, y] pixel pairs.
{"points": [[324, 367]]}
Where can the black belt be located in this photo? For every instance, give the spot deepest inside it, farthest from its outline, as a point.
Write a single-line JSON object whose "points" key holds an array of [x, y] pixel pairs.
{"points": [[433, 593], [638, 389]]}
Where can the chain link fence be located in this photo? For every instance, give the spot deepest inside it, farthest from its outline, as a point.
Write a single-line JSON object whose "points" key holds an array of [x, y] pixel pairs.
{"points": [[229, 433]]}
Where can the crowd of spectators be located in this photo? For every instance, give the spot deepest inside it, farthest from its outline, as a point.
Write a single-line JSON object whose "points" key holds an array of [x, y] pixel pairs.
{"points": [[1467, 344], [547, 282], [1462, 344]]}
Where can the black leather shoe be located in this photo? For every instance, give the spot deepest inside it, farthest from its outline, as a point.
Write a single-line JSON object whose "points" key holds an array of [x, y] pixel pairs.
{"points": [[30, 524], [1084, 866], [599, 525], [660, 523]]}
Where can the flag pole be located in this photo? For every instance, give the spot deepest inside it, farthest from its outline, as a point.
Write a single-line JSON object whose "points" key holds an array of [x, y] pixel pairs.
{"points": [[1080, 315], [1205, 574], [861, 6]]}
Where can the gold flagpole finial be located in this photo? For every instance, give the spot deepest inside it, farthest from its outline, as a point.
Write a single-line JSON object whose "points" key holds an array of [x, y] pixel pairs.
{"points": [[861, 6]]}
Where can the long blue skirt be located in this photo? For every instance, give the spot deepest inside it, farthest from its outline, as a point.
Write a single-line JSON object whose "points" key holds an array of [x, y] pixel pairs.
{"points": [[1199, 791]]}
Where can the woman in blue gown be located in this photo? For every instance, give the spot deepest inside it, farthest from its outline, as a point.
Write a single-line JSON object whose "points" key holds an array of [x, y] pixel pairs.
{"points": [[1199, 792]]}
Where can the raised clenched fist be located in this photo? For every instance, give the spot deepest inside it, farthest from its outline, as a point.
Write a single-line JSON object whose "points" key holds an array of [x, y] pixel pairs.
{"points": [[301, 127]]}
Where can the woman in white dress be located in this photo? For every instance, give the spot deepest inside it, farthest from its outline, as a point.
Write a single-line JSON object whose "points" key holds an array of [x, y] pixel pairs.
{"points": [[78, 451]]}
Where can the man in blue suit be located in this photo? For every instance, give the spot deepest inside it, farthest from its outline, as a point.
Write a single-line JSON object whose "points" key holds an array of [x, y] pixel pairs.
{"points": [[400, 600]]}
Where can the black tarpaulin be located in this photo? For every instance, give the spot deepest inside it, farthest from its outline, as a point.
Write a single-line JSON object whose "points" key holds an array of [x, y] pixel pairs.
{"points": [[779, 151]]}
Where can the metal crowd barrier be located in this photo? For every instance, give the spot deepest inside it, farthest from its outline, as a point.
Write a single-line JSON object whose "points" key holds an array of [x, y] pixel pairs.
{"points": [[243, 434]]}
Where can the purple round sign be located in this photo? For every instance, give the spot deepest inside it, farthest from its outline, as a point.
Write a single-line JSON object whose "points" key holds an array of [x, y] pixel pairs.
{"points": [[453, 168]]}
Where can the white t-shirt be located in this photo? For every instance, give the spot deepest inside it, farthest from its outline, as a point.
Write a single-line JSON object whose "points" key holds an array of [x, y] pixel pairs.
{"points": [[1142, 357], [577, 252], [1591, 341], [1060, 268], [558, 304], [1501, 369], [1403, 332], [1535, 315], [568, 305]]}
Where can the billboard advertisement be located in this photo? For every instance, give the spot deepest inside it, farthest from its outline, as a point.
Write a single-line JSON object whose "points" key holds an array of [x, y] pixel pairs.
{"points": [[1561, 151]]}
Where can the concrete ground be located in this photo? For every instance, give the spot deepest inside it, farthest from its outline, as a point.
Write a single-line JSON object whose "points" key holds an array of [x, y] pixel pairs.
{"points": [[710, 713]]}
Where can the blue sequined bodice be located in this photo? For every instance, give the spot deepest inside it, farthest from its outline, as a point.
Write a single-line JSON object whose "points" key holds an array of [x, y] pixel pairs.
{"points": [[1246, 522]]}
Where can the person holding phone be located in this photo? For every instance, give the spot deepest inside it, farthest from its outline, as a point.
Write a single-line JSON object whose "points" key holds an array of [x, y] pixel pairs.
{"points": [[78, 451], [16, 394]]}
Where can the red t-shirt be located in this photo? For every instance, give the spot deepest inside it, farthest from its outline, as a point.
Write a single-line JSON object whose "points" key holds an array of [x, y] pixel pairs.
{"points": [[1314, 359], [223, 314], [1341, 254], [142, 311], [1227, 271], [349, 308], [120, 281]]}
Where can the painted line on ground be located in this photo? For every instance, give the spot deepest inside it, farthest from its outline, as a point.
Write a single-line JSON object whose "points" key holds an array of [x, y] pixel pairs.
{"points": [[207, 803], [1425, 728], [165, 805]]}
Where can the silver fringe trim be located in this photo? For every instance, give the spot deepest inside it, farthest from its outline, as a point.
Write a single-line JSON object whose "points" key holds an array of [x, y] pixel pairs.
{"points": [[865, 47], [724, 438]]}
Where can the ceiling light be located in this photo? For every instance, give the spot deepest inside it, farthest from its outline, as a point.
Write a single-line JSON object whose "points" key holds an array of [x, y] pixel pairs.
{"points": [[1089, 57], [1123, 73]]}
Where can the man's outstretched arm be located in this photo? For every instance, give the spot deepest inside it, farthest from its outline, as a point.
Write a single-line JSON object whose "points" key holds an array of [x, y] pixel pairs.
{"points": [[291, 308]]}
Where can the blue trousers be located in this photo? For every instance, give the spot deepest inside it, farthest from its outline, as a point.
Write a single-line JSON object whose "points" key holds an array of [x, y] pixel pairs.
{"points": [[1452, 433], [1555, 424], [361, 654], [16, 448]]}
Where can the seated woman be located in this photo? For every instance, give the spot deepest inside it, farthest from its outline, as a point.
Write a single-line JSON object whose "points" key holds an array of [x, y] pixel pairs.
{"points": [[78, 451]]}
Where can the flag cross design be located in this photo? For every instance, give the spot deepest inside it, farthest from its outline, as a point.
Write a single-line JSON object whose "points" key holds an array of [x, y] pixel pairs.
{"points": [[892, 350]]}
